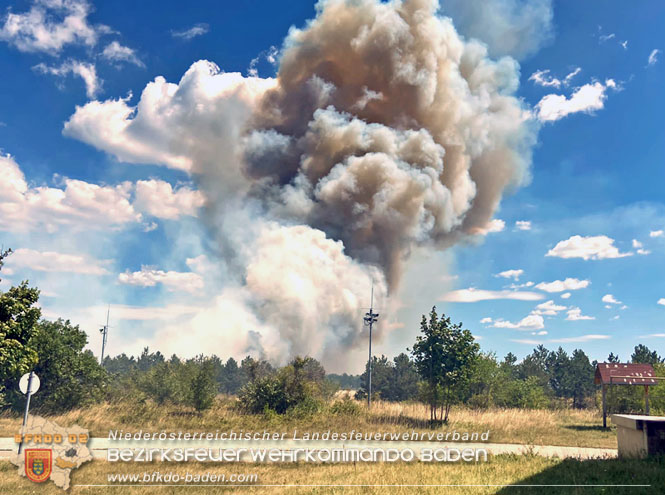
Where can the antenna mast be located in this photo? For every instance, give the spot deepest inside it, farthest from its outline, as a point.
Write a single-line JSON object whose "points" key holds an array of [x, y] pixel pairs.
{"points": [[369, 319]]}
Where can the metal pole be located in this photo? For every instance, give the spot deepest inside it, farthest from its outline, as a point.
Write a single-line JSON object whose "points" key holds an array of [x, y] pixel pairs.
{"points": [[370, 319], [105, 332], [604, 406], [25, 415], [646, 399]]}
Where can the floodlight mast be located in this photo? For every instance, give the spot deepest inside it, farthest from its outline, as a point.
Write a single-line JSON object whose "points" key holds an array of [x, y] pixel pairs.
{"points": [[104, 331], [369, 319]]}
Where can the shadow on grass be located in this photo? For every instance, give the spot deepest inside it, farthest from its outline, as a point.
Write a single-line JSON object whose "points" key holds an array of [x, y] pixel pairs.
{"points": [[588, 428], [406, 421], [580, 476]]}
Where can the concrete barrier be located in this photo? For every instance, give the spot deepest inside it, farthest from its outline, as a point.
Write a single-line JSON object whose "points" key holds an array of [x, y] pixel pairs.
{"points": [[640, 436]]}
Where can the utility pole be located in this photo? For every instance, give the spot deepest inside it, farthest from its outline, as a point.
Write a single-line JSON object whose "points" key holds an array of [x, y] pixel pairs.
{"points": [[369, 319], [104, 331]]}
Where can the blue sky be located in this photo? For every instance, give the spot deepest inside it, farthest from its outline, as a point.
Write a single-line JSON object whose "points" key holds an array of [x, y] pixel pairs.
{"points": [[98, 221]]}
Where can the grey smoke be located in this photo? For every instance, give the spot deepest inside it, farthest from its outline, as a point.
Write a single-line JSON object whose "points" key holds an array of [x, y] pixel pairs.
{"points": [[384, 131]]}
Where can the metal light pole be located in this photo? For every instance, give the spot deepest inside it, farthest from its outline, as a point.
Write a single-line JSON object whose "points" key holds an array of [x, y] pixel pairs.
{"points": [[104, 331], [369, 319]]}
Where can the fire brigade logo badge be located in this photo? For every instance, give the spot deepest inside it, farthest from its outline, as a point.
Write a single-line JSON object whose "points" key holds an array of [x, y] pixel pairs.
{"points": [[38, 464]]}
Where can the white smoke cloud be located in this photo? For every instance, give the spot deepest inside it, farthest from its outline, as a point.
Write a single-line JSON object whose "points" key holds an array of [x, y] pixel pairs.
{"points": [[518, 28], [384, 131]]}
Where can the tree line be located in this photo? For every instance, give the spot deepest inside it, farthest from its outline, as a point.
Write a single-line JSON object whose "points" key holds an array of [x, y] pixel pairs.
{"points": [[444, 367]]}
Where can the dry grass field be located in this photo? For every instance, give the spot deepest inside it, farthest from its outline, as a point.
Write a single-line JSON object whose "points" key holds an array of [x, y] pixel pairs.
{"points": [[504, 473], [577, 428]]}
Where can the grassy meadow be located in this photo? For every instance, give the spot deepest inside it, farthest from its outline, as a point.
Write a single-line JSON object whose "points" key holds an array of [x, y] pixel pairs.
{"points": [[566, 427]]}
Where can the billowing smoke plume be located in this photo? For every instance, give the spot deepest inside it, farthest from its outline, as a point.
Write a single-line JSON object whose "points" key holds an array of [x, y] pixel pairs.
{"points": [[384, 130]]}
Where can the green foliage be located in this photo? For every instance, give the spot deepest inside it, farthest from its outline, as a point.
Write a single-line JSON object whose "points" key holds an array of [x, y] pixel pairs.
{"points": [[444, 356], [346, 407], [204, 388], [394, 381], [70, 377], [298, 388], [345, 381], [18, 320], [642, 354]]}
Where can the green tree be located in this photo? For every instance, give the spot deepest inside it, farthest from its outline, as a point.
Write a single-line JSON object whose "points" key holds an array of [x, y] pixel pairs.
{"points": [[581, 378], [444, 356], [643, 354], [382, 374], [405, 380], [70, 376], [18, 320], [203, 386], [612, 358]]}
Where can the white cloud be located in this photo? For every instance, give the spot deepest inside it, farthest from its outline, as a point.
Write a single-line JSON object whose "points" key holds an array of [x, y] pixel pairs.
{"points": [[159, 199], [196, 30], [640, 247], [575, 314], [514, 274], [657, 233], [606, 37], [615, 317], [653, 335], [173, 281], [543, 78], [563, 285], [80, 203], [485, 320], [653, 57], [495, 225], [588, 248], [523, 225], [549, 308], [521, 286], [586, 99], [475, 295], [624, 44], [86, 71], [84, 205], [565, 295], [530, 322], [51, 261], [50, 25], [661, 301], [610, 299], [115, 52], [212, 107]]}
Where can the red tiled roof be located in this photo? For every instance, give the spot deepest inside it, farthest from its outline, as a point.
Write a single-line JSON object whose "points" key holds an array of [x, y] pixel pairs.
{"points": [[625, 374]]}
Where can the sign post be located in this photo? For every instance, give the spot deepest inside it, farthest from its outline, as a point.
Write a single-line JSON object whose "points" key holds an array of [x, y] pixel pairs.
{"points": [[29, 384]]}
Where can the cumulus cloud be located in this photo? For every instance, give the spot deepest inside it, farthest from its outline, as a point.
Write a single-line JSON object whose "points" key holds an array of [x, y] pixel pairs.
{"points": [[575, 314], [159, 199], [51, 261], [475, 295], [657, 233], [173, 281], [518, 28], [588, 248], [196, 30], [610, 299], [83, 205], [653, 57], [565, 295], [485, 320], [585, 99], [530, 322], [563, 285], [661, 301], [549, 308], [80, 203], [581, 338], [523, 225], [514, 274], [50, 25], [84, 70], [115, 52], [384, 131]]}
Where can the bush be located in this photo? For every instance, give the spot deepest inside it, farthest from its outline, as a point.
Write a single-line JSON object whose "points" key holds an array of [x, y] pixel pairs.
{"points": [[346, 407]]}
